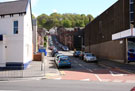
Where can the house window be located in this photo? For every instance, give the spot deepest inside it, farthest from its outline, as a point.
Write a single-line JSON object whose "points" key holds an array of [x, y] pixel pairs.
{"points": [[131, 1], [131, 17], [15, 27], [131, 12], [131, 8]]}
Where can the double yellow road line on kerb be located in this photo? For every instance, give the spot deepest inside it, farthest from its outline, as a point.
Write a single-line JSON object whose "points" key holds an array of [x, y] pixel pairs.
{"points": [[53, 75], [62, 73]]}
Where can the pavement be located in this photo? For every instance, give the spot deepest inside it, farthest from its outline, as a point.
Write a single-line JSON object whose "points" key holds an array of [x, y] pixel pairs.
{"points": [[113, 72], [50, 66], [36, 70], [32, 71]]}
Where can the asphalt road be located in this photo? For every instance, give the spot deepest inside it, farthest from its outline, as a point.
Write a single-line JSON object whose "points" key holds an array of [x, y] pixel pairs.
{"points": [[81, 76], [63, 85], [84, 71]]}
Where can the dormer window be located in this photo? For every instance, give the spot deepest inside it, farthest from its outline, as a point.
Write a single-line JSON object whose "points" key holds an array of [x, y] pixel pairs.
{"points": [[15, 27]]}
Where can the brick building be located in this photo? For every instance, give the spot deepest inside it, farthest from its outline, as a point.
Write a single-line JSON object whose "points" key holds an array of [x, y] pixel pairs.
{"points": [[79, 39], [40, 37], [71, 37], [65, 36], [112, 33]]}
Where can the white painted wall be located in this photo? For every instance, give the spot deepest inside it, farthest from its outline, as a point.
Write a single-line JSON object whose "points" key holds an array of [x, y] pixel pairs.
{"points": [[13, 41], [2, 54], [19, 46], [28, 53]]}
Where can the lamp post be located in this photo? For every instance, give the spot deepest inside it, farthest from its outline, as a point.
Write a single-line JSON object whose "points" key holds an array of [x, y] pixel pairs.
{"points": [[81, 42]]}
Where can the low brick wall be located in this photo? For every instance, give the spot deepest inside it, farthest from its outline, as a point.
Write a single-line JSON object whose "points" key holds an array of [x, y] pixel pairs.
{"points": [[37, 57]]}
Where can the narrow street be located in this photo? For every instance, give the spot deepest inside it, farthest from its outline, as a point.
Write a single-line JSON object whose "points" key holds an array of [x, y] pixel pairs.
{"points": [[84, 71]]}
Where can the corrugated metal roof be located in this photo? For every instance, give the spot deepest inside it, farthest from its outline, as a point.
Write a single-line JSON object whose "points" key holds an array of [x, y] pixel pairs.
{"points": [[13, 7]]}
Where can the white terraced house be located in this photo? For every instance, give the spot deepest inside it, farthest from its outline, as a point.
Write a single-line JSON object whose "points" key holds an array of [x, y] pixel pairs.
{"points": [[15, 34]]}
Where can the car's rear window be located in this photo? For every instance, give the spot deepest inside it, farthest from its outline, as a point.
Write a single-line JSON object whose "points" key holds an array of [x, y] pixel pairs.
{"points": [[64, 59], [89, 54]]}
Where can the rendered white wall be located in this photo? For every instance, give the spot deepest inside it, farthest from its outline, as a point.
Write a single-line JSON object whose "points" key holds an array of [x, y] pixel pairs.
{"points": [[19, 46], [14, 42], [2, 54], [28, 53]]}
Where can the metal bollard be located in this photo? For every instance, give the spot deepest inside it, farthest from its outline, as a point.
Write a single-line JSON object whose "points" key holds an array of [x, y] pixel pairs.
{"points": [[42, 62]]}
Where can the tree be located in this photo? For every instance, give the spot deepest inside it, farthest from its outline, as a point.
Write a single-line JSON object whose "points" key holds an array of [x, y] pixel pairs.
{"points": [[66, 20], [42, 20], [67, 23], [33, 17]]}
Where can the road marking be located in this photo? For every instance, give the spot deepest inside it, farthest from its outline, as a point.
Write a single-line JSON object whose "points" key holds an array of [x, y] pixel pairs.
{"points": [[85, 67], [62, 73], [115, 73], [117, 80], [98, 77], [89, 70], [130, 81], [75, 62], [105, 66], [57, 79], [85, 80], [106, 80], [80, 65], [51, 74]]}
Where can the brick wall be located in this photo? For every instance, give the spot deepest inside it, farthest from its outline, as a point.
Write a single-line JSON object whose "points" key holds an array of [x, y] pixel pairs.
{"points": [[114, 50]]}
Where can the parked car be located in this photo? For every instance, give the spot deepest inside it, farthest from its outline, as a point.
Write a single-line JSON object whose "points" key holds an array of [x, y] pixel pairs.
{"points": [[133, 89], [60, 45], [131, 55], [76, 53], [54, 51], [57, 56], [51, 47], [65, 48], [63, 61], [89, 57]]}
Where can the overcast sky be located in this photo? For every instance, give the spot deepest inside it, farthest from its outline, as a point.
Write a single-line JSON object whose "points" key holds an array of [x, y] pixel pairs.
{"points": [[94, 7]]}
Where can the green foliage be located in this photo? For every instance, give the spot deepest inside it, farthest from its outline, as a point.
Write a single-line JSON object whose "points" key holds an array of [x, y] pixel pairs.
{"points": [[66, 23], [33, 17], [45, 41], [45, 44], [67, 20], [45, 38]]}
